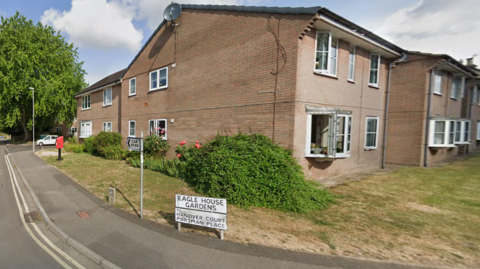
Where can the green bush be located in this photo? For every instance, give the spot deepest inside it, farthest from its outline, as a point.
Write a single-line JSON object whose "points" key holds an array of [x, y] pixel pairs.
{"points": [[155, 146], [171, 168], [88, 142], [104, 140], [250, 170], [72, 140], [114, 152], [76, 148]]}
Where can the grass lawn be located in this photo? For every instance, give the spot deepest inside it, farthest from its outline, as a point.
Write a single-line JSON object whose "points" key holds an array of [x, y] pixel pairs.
{"points": [[415, 215]]}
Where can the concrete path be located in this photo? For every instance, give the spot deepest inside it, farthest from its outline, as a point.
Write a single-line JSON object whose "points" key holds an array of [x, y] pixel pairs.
{"points": [[121, 239]]}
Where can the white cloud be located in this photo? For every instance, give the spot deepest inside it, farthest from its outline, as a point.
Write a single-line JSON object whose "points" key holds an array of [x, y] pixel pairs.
{"points": [[98, 24], [152, 10], [436, 26]]}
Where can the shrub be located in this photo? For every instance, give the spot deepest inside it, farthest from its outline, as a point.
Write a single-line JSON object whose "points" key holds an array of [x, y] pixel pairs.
{"points": [[155, 146], [76, 148], [72, 140], [105, 139], [250, 170], [171, 168], [88, 142], [114, 152]]}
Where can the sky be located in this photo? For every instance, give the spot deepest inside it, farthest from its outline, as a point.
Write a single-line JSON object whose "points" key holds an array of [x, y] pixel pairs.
{"points": [[109, 33]]}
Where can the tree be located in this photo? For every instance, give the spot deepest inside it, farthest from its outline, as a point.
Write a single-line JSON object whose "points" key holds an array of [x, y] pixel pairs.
{"points": [[39, 57]]}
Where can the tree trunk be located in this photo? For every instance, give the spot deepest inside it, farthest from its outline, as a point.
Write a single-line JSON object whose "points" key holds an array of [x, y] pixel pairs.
{"points": [[28, 136]]}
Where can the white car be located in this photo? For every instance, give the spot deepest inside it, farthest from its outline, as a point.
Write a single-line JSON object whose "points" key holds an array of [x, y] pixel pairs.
{"points": [[47, 140]]}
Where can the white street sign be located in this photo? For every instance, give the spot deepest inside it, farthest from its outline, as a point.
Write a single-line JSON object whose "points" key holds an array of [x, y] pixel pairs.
{"points": [[133, 143], [199, 218], [207, 204]]}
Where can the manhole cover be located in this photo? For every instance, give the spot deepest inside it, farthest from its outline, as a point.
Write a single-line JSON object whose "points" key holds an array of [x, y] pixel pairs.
{"points": [[32, 217], [83, 215]]}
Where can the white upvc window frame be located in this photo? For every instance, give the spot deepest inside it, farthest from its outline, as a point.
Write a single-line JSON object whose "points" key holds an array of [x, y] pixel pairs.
{"points": [[351, 63], [437, 83], [107, 126], [132, 131], [462, 132], [154, 127], [333, 134], [157, 80], [446, 134], [376, 70], [58, 129], [478, 130], [72, 130], [134, 87], [84, 131], [458, 87], [86, 102], [370, 132], [107, 97], [330, 55]]}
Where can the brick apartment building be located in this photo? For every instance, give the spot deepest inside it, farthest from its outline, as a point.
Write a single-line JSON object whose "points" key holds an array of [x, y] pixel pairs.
{"points": [[471, 106], [311, 80], [429, 120]]}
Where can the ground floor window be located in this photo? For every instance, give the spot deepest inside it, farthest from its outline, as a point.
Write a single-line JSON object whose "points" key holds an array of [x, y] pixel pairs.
{"points": [[328, 134], [478, 130], [131, 128], [371, 132], [158, 127], [462, 132], [442, 133], [72, 130], [85, 129], [107, 126], [58, 129]]}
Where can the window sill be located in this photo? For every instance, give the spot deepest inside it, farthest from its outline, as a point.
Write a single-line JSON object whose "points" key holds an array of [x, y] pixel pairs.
{"points": [[462, 143], [442, 146], [351, 81], [107, 105], [375, 86], [454, 98], [131, 95], [369, 149], [83, 109], [325, 74], [156, 89], [328, 157], [439, 94]]}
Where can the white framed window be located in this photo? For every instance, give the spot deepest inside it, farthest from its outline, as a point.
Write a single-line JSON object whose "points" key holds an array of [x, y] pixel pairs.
{"points": [[326, 56], [132, 86], [458, 86], [462, 132], [374, 70], [85, 129], [107, 97], [58, 129], [131, 128], [86, 102], [107, 126], [351, 63], [158, 127], [328, 134], [474, 96], [442, 132], [371, 132], [72, 130], [159, 79], [437, 84], [478, 130]]}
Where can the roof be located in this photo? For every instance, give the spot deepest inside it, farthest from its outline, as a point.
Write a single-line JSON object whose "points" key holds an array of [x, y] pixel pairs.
{"points": [[449, 59], [262, 9], [110, 79]]}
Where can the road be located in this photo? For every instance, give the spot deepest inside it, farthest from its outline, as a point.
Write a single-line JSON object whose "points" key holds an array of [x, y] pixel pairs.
{"points": [[23, 244]]}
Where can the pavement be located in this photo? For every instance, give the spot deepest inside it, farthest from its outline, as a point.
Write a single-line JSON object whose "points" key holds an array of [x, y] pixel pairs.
{"points": [[113, 238]]}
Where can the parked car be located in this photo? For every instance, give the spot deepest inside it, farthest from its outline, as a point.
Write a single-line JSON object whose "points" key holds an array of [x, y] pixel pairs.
{"points": [[47, 140]]}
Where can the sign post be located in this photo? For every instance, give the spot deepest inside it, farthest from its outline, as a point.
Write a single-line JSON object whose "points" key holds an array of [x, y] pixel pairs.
{"points": [[201, 211], [135, 143]]}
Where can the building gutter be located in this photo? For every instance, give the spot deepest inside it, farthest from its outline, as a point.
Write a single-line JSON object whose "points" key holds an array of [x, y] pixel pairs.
{"points": [[427, 120], [387, 103]]}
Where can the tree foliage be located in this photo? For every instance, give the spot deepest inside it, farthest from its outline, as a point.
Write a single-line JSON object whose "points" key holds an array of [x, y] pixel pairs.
{"points": [[39, 57]]}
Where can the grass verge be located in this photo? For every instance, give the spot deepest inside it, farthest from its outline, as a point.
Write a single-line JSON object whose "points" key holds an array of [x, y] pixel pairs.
{"points": [[415, 215]]}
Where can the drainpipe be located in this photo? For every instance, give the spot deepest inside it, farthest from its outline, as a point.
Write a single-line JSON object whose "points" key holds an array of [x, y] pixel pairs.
{"points": [[387, 102], [427, 120]]}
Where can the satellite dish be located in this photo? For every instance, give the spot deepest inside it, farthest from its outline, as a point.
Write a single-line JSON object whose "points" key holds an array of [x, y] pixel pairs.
{"points": [[172, 12]]}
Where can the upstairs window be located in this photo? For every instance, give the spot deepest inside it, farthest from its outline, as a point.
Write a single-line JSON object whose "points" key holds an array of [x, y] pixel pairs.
{"points": [[374, 70], [351, 64], [442, 133], [478, 130], [159, 79], [462, 132], [328, 134], [158, 127], [86, 102], [107, 126], [371, 132], [107, 97], [133, 87], [326, 57], [437, 84], [458, 86]]}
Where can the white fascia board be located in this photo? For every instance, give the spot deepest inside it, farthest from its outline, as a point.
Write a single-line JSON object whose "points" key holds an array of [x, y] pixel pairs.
{"points": [[351, 32], [99, 89]]}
